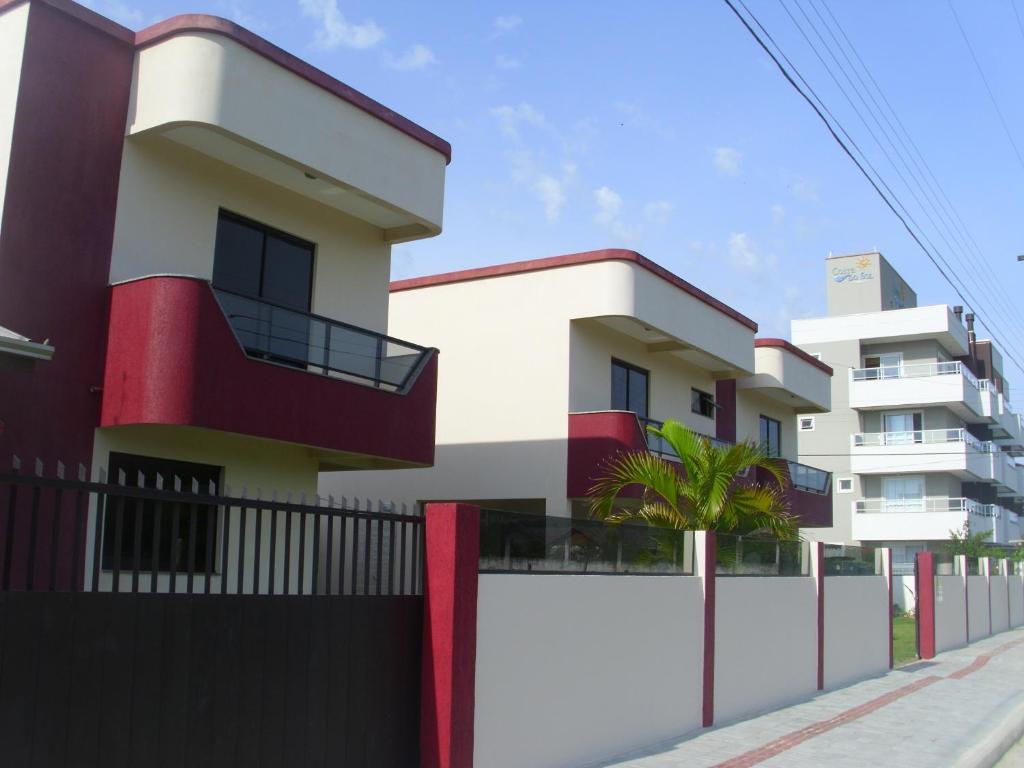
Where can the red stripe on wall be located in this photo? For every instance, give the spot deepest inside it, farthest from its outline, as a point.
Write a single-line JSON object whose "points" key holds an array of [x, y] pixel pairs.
{"points": [[819, 557], [708, 676], [924, 586]]}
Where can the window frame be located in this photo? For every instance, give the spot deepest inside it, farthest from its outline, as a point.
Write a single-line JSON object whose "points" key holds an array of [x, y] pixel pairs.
{"points": [[629, 367], [839, 484], [267, 230], [108, 529], [800, 426], [703, 397], [761, 419]]}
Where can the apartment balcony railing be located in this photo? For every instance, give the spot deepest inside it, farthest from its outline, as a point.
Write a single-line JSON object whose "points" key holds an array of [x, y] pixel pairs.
{"points": [[279, 334], [657, 444], [948, 384], [914, 371], [926, 519], [924, 504], [923, 437]]}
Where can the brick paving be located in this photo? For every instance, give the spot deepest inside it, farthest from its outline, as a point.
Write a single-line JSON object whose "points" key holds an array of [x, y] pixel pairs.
{"points": [[925, 715]]}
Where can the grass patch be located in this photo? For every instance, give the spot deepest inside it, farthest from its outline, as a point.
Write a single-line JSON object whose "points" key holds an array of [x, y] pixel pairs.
{"points": [[904, 643]]}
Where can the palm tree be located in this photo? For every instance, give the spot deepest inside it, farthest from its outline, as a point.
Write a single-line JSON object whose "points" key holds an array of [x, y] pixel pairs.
{"points": [[705, 491]]}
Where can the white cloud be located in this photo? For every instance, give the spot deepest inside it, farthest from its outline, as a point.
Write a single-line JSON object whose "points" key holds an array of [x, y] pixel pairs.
{"points": [[727, 160], [240, 15], [505, 24], [658, 211], [506, 62], [743, 252], [335, 30], [510, 118], [417, 57], [551, 192], [609, 213], [804, 189], [778, 214]]}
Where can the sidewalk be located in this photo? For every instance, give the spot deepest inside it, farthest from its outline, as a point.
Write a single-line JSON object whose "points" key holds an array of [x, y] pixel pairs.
{"points": [[965, 708]]}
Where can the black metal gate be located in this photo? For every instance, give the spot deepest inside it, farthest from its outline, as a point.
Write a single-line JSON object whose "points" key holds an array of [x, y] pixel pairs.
{"points": [[296, 643]]}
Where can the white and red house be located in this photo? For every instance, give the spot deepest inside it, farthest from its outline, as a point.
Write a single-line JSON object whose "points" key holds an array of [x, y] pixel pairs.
{"points": [[199, 225]]}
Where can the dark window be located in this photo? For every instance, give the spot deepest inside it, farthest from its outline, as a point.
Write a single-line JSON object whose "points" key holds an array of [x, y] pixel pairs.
{"points": [[173, 537], [629, 388], [262, 263], [702, 403], [771, 436]]}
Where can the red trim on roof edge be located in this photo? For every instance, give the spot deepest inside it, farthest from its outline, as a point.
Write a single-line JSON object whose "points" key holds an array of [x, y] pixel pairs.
{"points": [[790, 347], [196, 22], [572, 259]]}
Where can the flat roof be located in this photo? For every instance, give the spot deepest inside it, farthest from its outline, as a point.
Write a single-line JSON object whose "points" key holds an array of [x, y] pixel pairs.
{"points": [[569, 260]]}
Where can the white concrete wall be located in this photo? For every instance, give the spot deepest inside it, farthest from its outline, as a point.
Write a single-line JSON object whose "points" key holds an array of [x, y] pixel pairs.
{"points": [[856, 628], [13, 26], [207, 80], [766, 646], [572, 669], [950, 627], [787, 374], [167, 208], [977, 607], [1000, 604], [903, 593], [1016, 587]]}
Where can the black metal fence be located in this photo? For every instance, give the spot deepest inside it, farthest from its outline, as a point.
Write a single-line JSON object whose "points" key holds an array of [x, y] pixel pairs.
{"points": [[63, 534]]}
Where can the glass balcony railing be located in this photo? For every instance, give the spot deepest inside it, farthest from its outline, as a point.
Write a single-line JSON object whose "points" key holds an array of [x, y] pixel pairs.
{"points": [[923, 436], [914, 371], [657, 444], [278, 334], [810, 479]]}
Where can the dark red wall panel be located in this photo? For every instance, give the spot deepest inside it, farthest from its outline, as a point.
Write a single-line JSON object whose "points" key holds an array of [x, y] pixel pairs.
{"points": [[57, 230], [595, 439], [173, 359]]}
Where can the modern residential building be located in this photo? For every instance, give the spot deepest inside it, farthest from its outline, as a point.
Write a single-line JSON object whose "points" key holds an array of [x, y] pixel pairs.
{"points": [[199, 226], [553, 366], [922, 437]]}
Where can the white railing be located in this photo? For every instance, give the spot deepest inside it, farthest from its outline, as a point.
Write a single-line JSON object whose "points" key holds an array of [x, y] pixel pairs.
{"points": [[914, 371], [923, 504], [921, 436]]}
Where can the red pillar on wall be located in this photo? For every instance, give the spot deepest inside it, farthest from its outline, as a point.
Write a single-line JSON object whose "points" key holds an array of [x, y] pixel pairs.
{"points": [[924, 586], [818, 550], [450, 570], [725, 418], [707, 565]]}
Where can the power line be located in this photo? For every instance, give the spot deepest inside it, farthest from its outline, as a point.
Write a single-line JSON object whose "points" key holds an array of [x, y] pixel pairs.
{"points": [[891, 204], [930, 188], [984, 79], [1020, 24]]}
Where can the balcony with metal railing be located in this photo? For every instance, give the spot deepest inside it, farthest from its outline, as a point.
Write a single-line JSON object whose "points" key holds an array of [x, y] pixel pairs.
{"points": [[952, 450], [180, 354], [915, 519], [945, 383]]}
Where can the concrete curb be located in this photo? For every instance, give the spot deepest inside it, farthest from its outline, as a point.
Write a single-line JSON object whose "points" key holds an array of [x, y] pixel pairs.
{"points": [[997, 741]]}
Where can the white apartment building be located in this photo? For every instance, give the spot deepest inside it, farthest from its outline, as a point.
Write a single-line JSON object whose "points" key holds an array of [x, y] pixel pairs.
{"points": [[548, 368], [921, 437]]}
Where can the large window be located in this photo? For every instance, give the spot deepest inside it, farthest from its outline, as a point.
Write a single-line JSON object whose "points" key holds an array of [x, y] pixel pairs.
{"points": [[262, 263], [254, 262], [168, 530], [771, 436], [702, 403], [629, 388], [903, 427]]}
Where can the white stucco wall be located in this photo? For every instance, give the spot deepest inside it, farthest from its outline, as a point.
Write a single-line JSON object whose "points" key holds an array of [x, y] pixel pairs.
{"points": [[779, 369], [167, 207], [1000, 604], [207, 80], [13, 25], [977, 607], [766, 647], [1016, 587], [751, 405], [856, 628], [950, 627], [572, 669]]}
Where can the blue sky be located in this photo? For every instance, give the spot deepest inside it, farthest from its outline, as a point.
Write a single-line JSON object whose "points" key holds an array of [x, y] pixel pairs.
{"points": [[662, 127]]}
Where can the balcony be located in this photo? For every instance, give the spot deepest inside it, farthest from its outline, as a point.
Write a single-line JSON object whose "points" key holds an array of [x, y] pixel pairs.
{"points": [[595, 437], [948, 384], [931, 450], [1008, 428], [181, 355], [924, 519]]}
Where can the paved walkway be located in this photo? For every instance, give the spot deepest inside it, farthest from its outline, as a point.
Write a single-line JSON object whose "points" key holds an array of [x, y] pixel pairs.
{"points": [[964, 708]]}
